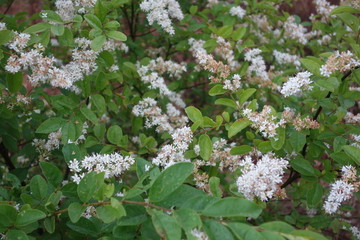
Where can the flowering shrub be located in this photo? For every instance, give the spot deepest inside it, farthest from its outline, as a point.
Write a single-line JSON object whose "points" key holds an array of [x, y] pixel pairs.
{"points": [[165, 119]]}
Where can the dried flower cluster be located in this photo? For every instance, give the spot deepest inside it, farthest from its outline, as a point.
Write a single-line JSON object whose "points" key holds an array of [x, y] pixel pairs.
{"points": [[261, 179], [207, 61], [113, 165], [300, 123], [342, 62], [342, 190]]}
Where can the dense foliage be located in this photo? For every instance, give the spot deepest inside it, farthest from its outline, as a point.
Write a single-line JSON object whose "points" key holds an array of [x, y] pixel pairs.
{"points": [[165, 119]]}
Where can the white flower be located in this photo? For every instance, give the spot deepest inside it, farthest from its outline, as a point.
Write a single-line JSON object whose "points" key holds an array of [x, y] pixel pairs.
{"points": [[295, 85], [161, 11], [262, 179], [238, 12]]}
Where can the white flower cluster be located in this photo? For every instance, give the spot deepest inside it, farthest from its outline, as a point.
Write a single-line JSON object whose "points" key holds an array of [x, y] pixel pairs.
{"points": [[198, 234], [342, 62], [44, 147], [113, 165], [324, 8], [238, 12], [257, 64], [174, 153], [44, 69], [19, 42], [158, 82], [67, 9], [295, 31], [286, 58], [263, 179], [234, 84], [161, 66], [342, 190], [295, 85], [325, 39], [161, 11], [355, 231], [265, 121], [224, 50], [154, 116]]}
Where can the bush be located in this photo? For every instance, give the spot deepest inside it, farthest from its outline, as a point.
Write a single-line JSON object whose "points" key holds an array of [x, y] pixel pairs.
{"points": [[159, 119]]}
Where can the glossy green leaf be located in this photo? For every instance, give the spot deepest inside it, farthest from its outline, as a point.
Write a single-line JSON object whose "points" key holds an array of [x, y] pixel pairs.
{"points": [[232, 207], [205, 146], [238, 126], [193, 114], [51, 125], [169, 180], [116, 35]]}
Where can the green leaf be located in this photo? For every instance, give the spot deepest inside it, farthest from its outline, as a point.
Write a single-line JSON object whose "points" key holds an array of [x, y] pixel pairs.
{"points": [[70, 152], [39, 27], [297, 140], [90, 115], [205, 146], [108, 213], [98, 42], [87, 187], [49, 224], [112, 25], [114, 134], [193, 9], [279, 142], [68, 132], [99, 102], [75, 210], [58, 30], [93, 21], [14, 81], [226, 102], [311, 66], [7, 215], [50, 125], [238, 33], [232, 207], [187, 218], [344, 9], [52, 16], [169, 180], [16, 234], [315, 194], [308, 235], [239, 150], [38, 187], [165, 225], [302, 166], [218, 89], [353, 152], [193, 114], [225, 31], [245, 231], [214, 183], [217, 231], [6, 36], [277, 226], [29, 216], [238, 126], [245, 95], [116, 35]]}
